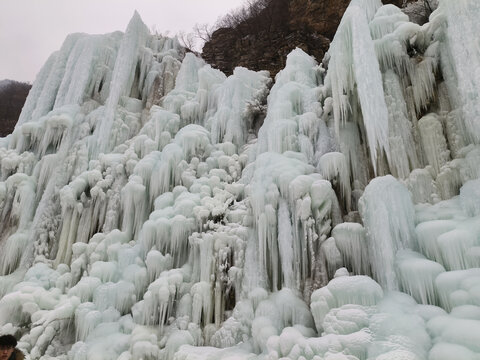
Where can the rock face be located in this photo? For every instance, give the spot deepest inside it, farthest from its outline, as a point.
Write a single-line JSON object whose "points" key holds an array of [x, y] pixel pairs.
{"points": [[12, 98], [266, 50], [265, 41], [283, 25]]}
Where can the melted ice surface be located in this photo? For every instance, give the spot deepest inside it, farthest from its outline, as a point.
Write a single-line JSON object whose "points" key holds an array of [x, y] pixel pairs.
{"points": [[153, 208]]}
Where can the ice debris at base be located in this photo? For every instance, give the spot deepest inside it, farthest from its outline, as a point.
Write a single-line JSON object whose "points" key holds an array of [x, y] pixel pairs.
{"points": [[153, 208]]}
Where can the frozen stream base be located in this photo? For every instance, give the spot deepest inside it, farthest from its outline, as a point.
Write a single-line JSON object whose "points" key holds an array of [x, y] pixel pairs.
{"points": [[153, 208]]}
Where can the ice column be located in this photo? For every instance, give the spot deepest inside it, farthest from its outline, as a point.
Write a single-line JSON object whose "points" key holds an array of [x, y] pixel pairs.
{"points": [[354, 71], [388, 214], [462, 51], [123, 75]]}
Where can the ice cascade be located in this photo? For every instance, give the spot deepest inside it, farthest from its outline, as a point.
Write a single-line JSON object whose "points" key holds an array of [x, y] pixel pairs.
{"points": [[152, 207]]}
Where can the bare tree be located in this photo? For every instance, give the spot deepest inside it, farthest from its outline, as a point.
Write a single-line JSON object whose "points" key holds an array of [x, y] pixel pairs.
{"points": [[187, 40], [255, 16], [203, 32]]}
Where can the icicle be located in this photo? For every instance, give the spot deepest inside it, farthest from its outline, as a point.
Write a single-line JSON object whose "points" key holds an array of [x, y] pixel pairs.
{"points": [[355, 154], [285, 239], [330, 258], [433, 141], [454, 248], [427, 234], [333, 165], [470, 196], [122, 77], [459, 27], [42, 97], [79, 69], [403, 157], [134, 203], [386, 20], [417, 276], [422, 186], [237, 99], [13, 250], [353, 62], [388, 214], [274, 177], [449, 181], [291, 102], [350, 240]]}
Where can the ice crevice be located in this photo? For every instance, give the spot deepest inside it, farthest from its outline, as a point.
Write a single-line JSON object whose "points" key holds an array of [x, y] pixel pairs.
{"points": [[152, 207]]}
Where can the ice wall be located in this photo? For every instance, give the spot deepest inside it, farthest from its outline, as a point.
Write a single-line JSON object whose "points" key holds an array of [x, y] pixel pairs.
{"points": [[153, 208]]}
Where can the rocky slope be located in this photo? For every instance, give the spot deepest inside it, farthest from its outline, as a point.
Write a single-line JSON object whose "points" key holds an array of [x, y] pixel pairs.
{"points": [[12, 98]]}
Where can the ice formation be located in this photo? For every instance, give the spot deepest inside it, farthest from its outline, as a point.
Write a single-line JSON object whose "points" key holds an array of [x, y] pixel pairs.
{"points": [[153, 208]]}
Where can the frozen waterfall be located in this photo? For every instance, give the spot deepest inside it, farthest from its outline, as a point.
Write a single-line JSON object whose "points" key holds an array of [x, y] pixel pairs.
{"points": [[153, 208]]}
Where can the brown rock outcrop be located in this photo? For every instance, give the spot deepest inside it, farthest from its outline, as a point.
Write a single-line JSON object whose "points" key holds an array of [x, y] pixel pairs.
{"points": [[12, 98]]}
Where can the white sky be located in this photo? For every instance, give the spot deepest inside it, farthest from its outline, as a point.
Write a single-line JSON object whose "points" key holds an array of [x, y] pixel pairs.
{"points": [[30, 30]]}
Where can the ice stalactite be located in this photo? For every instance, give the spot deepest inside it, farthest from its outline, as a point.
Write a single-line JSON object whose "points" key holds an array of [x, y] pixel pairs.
{"points": [[460, 52], [123, 75], [49, 79], [351, 241], [389, 217], [271, 180], [417, 276], [183, 98], [293, 106], [433, 141], [276, 180], [333, 165], [285, 241], [354, 73], [238, 101], [353, 149], [403, 155]]}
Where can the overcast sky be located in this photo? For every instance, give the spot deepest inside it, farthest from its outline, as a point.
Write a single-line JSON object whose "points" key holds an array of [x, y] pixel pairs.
{"points": [[30, 30]]}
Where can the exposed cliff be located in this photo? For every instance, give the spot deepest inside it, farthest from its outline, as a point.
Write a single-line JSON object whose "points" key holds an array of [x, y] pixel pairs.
{"points": [[12, 98]]}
